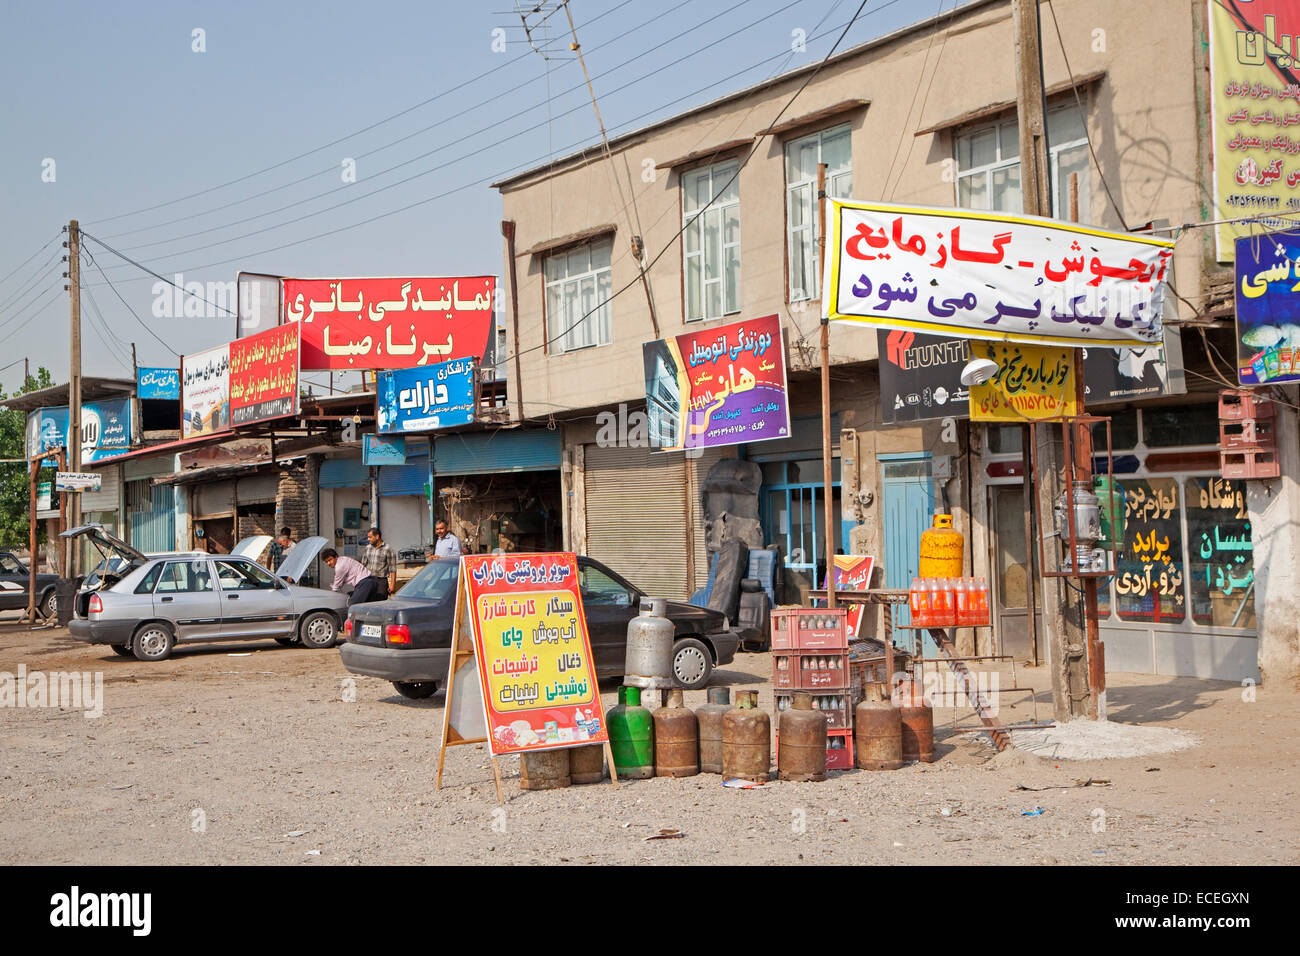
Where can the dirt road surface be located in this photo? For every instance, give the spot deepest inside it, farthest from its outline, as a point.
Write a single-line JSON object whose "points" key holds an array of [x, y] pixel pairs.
{"points": [[249, 754]]}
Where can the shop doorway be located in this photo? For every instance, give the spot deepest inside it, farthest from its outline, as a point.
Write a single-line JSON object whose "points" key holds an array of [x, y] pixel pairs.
{"points": [[218, 535], [1011, 572], [908, 490]]}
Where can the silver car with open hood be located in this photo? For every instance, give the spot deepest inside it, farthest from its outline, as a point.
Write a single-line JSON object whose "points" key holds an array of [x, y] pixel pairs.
{"points": [[147, 604]]}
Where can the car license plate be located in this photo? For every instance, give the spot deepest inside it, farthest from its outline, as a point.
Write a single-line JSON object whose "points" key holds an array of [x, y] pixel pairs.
{"points": [[370, 630]]}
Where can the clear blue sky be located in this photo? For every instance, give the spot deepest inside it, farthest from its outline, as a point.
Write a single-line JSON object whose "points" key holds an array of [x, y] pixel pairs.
{"points": [[133, 117]]}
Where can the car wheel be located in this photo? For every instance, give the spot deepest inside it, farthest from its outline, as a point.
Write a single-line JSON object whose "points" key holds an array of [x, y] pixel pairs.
{"points": [[123, 650], [153, 642], [318, 630], [286, 641], [416, 690], [50, 606], [692, 663]]}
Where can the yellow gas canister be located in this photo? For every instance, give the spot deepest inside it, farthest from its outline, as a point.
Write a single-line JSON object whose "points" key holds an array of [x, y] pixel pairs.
{"points": [[942, 550]]}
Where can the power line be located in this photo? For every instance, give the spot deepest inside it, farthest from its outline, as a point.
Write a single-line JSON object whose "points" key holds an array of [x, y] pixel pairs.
{"points": [[95, 262], [335, 142], [150, 271], [30, 318], [30, 258], [33, 280]]}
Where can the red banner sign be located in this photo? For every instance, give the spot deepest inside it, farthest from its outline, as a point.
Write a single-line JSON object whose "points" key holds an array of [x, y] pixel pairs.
{"points": [[264, 375], [853, 573], [390, 323]]}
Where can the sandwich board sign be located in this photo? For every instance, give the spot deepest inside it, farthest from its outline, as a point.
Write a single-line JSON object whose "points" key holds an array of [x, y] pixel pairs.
{"points": [[521, 676]]}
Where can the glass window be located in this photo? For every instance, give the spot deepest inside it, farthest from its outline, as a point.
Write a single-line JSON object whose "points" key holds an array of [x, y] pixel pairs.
{"points": [[1006, 439], [1180, 425], [578, 284], [243, 576], [436, 581], [9, 565], [1123, 432], [185, 576], [1149, 579], [712, 240], [599, 588], [1221, 565], [150, 580], [802, 157]]}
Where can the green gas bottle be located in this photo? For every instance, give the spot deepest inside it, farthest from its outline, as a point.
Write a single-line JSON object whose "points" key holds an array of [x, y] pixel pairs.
{"points": [[632, 735]]}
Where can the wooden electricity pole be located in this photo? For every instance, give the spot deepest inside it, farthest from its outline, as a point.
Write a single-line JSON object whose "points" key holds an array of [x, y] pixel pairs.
{"points": [[74, 379], [1064, 627]]}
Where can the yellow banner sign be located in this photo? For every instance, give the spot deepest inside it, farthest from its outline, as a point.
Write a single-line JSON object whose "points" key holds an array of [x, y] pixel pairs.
{"points": [[1032, 383]]}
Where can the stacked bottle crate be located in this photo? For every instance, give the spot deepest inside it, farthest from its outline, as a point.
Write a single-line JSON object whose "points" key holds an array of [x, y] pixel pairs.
{"points": [[810, 653]]}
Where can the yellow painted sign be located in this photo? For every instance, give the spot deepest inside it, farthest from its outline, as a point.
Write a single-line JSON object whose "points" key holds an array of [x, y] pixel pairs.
{"points": [[1255, 98], [1032, 383]]}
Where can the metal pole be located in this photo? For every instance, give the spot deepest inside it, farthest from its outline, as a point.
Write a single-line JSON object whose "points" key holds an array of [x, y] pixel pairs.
{"points": [[828, 502], [34, 468], [74, 371]]}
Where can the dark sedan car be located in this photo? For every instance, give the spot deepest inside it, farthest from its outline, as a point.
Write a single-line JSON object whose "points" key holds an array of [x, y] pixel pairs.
{"points": [[14, 581], [407, 639]]}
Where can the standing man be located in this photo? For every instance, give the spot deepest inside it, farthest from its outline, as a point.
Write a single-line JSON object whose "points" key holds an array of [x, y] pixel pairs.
{"points": [[280, 548], [381, 562], [348, 573], [447, 545]]}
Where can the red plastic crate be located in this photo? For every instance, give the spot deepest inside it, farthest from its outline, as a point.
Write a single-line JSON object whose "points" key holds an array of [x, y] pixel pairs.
{"points": [[1243, 403], [809, 628], [1248, 463], [837, 718], [785, 670], [840, 758], [833, 672], [1247, 433]]}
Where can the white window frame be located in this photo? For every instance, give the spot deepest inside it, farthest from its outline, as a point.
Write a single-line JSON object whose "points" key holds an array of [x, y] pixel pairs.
{"points": [[1002, 161], [568, 288], [696, 226], [839, 184]]}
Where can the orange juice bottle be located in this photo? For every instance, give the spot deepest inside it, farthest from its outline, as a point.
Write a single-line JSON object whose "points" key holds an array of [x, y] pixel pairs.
{"points": [[981, 603], [962, 603]]}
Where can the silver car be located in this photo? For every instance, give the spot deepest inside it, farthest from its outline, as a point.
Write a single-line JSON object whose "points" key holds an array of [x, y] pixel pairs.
{"points": [[146, 604]]}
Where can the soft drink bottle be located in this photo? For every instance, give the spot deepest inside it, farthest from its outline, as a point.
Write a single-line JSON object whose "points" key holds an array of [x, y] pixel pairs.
{"points": [[914, 601], [948, 601], [981, 612], [934, 596], [961, 602]]}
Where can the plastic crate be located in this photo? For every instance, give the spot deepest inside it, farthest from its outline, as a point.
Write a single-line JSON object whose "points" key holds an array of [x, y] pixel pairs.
{"points": [[1247, 433], [809, 628], [785, 670], [1249, 463], [1237, 404], [839, 716], [801, 670]]}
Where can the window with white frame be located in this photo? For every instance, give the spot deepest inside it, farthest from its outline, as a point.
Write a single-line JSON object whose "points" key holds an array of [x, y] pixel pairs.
{"points": [[711, 240], [577, 296], [988, 165], [802, 157]]}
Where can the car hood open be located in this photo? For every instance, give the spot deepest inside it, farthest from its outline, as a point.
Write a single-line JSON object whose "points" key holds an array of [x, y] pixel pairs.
{"points": [[303, 553]]}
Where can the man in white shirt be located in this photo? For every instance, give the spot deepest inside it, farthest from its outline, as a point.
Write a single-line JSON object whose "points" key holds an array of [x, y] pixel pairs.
{"points": [[447, 545]]}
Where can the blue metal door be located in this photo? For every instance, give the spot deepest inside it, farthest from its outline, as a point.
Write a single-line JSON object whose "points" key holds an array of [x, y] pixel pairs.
{"points": [[909, 503]]}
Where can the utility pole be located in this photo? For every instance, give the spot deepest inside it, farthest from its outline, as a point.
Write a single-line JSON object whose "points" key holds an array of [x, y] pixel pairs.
{"points": [[1064, 627], [827, 497], [74, 378]]}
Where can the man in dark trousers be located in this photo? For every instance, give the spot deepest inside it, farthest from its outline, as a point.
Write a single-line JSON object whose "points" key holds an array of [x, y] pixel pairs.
{"points": [[381, 561]]}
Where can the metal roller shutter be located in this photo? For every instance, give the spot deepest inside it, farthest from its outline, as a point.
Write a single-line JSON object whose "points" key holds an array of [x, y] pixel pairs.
{"points": [[344, 473], [408, 479], [106, 498], [217, 498], [637, 516], [257, 489], [482, 453]]}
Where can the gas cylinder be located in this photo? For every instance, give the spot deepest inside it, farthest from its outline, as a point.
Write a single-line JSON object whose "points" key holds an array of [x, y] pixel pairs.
{"points": [[710, 717], [648, 662], [1110, 506], [877, 732], [941, 550], [746, 740], [917, 718], [544, 770], [587, 764], [632, 735], [801, 755], [677, 739]]}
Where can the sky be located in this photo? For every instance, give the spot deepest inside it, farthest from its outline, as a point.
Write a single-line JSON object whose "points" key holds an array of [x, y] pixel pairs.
{"points": [[321, 139]]}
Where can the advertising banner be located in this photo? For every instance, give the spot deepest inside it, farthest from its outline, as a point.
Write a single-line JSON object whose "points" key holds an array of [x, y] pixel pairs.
{"points": [[979, 275], [388, 323], [426, 399], [382, 451], [77, 480], [264, 375], [536, 671], [1268, 308], [853, 573], [1255, 103], [151, 383], [205, 392], [105, 430], [1031, 383], [719, 386]]}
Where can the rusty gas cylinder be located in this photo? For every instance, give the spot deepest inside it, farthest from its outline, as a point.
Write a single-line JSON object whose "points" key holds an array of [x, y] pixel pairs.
{"points": [[710, 717], [801, 754], [587, 764], [746, 740], [677, 739], [877, 732], [917, 720], [544, 770]]}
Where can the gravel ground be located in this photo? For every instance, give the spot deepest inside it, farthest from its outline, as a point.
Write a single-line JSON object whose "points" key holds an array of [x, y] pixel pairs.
{"points": [[213, 758]]}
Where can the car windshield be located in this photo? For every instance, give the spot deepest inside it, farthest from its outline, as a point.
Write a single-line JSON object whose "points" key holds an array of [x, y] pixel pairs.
{"points": [[436, 581]]}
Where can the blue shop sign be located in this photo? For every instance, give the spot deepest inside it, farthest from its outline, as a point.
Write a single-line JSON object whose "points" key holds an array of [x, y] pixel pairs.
{"points": [[158, 383], [376, 450], [427, 399]]}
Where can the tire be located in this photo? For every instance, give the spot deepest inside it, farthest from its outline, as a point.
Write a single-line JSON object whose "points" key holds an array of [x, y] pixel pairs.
{"points": [[416, 690], [123, 650], [50, 605], [692, 664], [153, 641], [286, 641], [318, 630]]}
